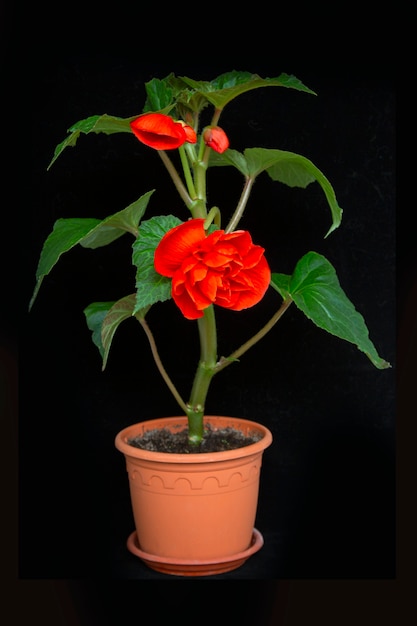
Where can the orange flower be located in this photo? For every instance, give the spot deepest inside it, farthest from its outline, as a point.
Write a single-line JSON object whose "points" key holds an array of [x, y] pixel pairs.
{"points": [[226, 269], [216, 138], [161, 131]]}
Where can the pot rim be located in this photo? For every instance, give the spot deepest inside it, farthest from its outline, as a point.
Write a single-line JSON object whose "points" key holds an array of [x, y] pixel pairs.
{"points": [[121, 440]]}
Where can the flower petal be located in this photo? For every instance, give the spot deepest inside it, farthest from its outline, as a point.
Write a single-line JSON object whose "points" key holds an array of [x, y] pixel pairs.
{"points": [[185, 299], [249, 295], [176, 245], [158, 131], [225, 269], [190, 134]]}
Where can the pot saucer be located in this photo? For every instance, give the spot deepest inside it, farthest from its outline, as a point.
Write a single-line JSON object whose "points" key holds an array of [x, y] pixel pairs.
{"points": [[185, 567]]}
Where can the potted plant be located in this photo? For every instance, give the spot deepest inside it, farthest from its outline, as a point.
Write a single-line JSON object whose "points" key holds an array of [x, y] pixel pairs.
{"points": [[202, 259]]}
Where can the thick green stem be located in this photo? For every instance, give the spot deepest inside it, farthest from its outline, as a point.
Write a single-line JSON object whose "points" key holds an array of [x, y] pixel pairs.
{"points": [[204, 374], [198, 209], [187, 172], [200, 170]]}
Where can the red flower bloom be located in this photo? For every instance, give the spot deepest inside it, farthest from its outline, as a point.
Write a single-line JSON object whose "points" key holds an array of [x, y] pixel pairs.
{"points": [[226, 269], [161, 131], [216, 138]]}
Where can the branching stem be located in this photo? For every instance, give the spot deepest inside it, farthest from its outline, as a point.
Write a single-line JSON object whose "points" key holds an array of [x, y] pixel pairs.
{"points": [[225, 361]]}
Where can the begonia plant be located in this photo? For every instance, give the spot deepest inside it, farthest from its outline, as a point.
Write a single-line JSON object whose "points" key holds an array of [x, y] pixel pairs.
{"points": [[201, 257]]}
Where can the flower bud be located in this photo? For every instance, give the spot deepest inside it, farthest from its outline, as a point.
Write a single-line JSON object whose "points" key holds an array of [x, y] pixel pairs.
{"points": [[216, 138]]}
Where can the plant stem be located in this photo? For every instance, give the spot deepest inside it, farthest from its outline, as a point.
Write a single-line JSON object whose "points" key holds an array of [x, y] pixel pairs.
{"points": [[213, 216], [175, 178], [225, 361], [200, 170], [247, 188], [203, 376], [187, 172], [159, 364], [216, 116]]}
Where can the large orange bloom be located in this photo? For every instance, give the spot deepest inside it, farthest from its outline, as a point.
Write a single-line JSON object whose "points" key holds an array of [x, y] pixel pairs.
{"points": [[161, 131], [226, 269]]}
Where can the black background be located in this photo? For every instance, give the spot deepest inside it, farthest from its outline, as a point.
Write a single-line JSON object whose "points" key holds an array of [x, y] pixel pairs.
{"points": [[327, 498]]}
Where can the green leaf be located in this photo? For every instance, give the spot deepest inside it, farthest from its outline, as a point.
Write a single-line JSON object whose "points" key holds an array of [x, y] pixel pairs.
{"points": [[89, 233], [107, 124], [289, 168], [187, 94], [120, 311], [281, 283], [66, 233], [316, 291], [95, 314], [159, 94], [163, 95], [228, 86], [230, 157], [116, 225], [151, 286], [104, 318]]}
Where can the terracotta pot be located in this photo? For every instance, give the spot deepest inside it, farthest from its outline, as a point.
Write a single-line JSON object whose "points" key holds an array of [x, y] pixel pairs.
{"points": [[194, 513]]}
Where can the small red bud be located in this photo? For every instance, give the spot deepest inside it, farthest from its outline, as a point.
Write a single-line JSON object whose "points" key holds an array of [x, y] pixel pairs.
{"points": [[216, 138]]}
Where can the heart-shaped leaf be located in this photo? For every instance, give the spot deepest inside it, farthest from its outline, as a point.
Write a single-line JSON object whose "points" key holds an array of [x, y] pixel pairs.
{"points": [[316, 291], [289, 168]]}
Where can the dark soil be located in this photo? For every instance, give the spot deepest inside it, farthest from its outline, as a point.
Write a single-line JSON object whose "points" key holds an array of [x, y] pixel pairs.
{"points": [[162, 440]]}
